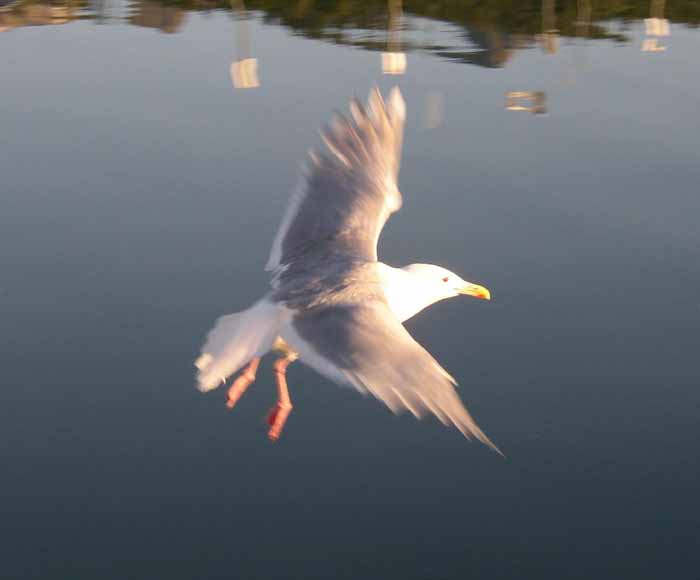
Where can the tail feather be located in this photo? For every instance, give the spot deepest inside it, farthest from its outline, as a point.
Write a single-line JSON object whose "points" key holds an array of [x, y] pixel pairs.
{"points": [[234, 340]]}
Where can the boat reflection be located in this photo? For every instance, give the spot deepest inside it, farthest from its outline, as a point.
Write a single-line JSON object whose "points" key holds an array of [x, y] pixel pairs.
{"points": [[529, 101]]}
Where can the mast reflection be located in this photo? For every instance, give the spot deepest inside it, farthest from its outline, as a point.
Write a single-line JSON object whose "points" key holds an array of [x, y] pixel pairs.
{"points": [[656, 27], [550, 35], [583, 18], [393, 60], [244, 69]]}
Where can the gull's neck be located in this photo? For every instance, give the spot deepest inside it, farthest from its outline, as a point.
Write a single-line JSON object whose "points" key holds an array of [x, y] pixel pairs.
{"points": [[406, 293]]}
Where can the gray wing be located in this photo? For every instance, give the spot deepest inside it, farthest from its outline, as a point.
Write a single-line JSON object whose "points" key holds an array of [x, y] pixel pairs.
{"points": [[348, 193], [366, 346]]}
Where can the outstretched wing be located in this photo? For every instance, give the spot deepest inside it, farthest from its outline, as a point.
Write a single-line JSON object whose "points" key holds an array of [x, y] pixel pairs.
{"points": [[349, 192], [366, 345]]}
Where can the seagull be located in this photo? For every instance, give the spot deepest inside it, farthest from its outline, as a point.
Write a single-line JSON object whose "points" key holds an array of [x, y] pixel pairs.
{"points": [[332, 304]]}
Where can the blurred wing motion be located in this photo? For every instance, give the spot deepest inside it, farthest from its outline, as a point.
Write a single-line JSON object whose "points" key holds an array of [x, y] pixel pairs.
{"points": [[366, 345], [349, 192]]}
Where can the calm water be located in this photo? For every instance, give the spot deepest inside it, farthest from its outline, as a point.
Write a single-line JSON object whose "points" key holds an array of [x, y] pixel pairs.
{"points": [[141, 191]]}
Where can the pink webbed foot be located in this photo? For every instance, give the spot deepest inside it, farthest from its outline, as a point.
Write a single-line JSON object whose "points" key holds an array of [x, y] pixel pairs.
{"points": [[277, 417], [241, 384]]}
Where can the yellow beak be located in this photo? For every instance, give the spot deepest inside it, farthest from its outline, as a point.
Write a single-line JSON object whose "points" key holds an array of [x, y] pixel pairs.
{"points": [[476, 291]]}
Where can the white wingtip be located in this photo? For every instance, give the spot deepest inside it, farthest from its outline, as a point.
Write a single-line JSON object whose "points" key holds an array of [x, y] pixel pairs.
{"points": [[375, 105], [397, 105]]}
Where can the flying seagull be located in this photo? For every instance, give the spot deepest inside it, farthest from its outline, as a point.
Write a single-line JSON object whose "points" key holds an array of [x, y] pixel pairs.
{"points": [[332, 304]]}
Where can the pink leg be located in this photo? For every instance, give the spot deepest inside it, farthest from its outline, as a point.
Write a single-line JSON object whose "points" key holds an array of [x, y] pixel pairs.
{"points": [[278, 415], [244, 380]]}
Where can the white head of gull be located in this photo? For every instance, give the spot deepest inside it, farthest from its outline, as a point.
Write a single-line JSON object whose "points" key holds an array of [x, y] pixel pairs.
{"points": [[332, 304]]}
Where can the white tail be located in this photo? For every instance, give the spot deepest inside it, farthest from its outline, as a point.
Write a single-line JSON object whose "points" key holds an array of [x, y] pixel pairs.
{"points": [[234, 340]]}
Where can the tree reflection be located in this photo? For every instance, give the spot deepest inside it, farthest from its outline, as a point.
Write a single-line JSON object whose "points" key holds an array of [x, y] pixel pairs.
{"points": [[152, 14], [485, 33], [16, 14]]}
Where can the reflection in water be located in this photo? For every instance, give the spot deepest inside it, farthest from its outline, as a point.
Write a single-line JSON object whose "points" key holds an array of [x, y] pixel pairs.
{"points": [[244, 73], [549, 39], [494, 47], [656, 26], [16, 14], [583, 18], [483, 33], [151, 14], [434, 110], [530, 101], [534, 101], [652, 45], [487, 38], [582, 32], [102, 10], [244, 68], [393, 60]]}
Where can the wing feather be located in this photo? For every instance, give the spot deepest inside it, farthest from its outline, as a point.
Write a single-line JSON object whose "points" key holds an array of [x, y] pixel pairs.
{"points": [[347, 193], [369, 348]]}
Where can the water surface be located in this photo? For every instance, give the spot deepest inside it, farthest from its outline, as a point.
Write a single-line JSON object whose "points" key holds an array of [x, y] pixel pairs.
{"points": [[142, 189]]}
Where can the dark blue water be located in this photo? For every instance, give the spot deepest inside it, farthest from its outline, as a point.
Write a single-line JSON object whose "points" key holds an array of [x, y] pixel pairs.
{"points": [[140, 195]]}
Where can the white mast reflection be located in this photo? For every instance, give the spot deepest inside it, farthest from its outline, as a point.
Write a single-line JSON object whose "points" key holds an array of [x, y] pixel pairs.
{"points": [[656, 26], [582, 30], [550, 34], [535, 102], [393, 60], [244, 70], [583, 18]]}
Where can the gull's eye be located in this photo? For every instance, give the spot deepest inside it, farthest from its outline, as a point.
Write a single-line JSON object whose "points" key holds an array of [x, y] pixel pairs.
{"points": [[445, 279]]}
